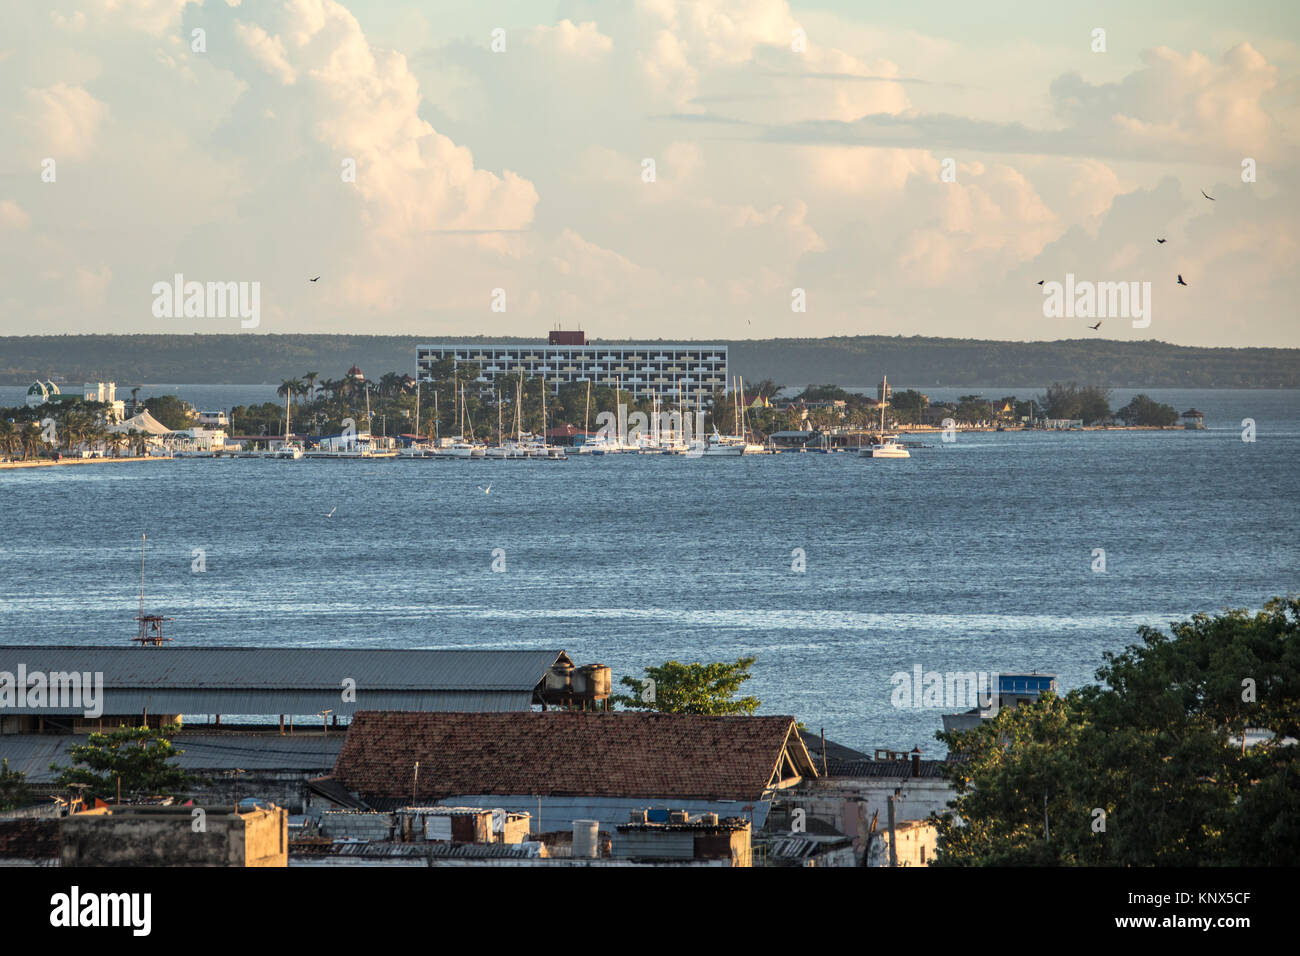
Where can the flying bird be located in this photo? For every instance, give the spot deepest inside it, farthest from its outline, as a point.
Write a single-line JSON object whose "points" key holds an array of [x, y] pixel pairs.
{"points": [[1095, 327], [1041, 281], [1180, 280], [1162, 241], [313, 279], [486, 491], [1210, 198], [332, 510]]}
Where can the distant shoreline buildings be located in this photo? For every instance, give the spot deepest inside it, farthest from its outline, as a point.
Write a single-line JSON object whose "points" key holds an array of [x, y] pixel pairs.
{"points": [[683, 372]]}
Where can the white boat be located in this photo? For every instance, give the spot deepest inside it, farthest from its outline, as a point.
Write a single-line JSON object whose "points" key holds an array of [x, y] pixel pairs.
{"points": [[290, 452], [886, 448], [724, 446], [598, 445], [504, 451]]}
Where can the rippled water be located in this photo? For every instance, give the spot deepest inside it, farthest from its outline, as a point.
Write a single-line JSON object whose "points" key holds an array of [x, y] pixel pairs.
{"points": [[970, 556]]}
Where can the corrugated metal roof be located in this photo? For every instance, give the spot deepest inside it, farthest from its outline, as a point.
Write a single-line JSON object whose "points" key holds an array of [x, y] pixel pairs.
{"points": [[289, 680], [289, 667], [901, 769], [33, 753], [201, 702]]}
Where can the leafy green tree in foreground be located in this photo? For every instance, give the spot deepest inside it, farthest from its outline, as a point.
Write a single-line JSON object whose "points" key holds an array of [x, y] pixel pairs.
{"points": [[13, 787], [1142, 771], [141, 756], [691, 689]]}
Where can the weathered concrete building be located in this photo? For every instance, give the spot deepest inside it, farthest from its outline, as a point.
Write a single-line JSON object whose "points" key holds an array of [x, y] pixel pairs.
{"points": [[175, 836], [681, 838], [913, 844]]}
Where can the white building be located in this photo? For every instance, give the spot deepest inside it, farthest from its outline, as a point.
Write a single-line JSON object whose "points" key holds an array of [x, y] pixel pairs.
{"points": [[38, 393], [106, 394], [196, 439], [216, 419], [682, 372]]}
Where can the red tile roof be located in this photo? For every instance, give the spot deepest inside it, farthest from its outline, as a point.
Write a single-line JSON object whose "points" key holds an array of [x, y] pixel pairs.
{"points": [[619, 754]]}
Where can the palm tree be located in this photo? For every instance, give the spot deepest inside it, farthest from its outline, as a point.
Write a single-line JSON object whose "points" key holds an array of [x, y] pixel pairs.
{"points": [[290, 386], [310, 379], [8, 437]]}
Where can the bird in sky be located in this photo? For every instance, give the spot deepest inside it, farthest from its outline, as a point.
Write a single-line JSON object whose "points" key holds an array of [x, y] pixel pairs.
{"points": [[1095, 327], [332, 510], [313, 279], [1180, 280], [1041, 281], [1210, 198], [486, 491], [1162, 241]]}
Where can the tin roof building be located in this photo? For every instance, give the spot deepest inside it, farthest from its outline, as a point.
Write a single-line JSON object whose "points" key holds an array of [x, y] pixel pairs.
{"points": [[266, 681]]}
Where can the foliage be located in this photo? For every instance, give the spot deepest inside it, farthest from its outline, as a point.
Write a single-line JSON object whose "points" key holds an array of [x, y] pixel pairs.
{"points": [[13, 787], [1144, 410], [1088, 402], [171, 411], [141, 756], [919, 360], [691, 689], [1151, 751]]}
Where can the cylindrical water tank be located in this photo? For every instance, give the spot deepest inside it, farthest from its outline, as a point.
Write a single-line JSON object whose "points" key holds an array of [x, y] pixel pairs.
{"points": [[586, 838]]}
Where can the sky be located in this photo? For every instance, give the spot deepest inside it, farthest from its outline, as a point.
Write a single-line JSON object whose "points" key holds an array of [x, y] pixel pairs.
{"points": [[705, 169]]}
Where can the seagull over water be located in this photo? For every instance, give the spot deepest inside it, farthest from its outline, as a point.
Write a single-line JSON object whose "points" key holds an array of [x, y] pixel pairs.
{"points": [[314, 279], [1210, 198], [1096, 327], [486, 491], [332, 510], [1162, 241]]}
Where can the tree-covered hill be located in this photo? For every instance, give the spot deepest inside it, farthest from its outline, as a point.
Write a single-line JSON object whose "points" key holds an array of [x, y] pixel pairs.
{"points": [[860, 360]]}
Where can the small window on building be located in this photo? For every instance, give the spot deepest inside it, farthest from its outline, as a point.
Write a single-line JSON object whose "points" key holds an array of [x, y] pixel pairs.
{"points": [[923, 856]]}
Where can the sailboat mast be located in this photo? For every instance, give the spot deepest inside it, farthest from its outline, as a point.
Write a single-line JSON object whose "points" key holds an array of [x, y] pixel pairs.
{"points": [[142, 582], [417, 409]]}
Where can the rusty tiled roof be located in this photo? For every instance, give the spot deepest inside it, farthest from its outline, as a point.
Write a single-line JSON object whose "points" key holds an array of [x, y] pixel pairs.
{"points": [[620, 754]]}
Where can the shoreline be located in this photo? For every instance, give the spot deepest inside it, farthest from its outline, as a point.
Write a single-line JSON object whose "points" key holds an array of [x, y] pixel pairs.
{"points": [[49, 463]]}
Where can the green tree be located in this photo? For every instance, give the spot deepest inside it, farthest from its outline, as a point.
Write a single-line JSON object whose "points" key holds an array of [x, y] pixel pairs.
{"points": [[676, 688], [1144, 410], [170, 411], [14, 792], [140, 756], [1149, 769]]}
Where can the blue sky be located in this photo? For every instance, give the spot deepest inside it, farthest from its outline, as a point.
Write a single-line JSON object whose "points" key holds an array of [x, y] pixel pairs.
{"points": [[898, 168]]}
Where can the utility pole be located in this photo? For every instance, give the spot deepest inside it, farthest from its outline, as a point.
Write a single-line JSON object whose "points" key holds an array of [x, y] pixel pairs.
{"points": [[415, 786], [325, 714], [893, 834]]}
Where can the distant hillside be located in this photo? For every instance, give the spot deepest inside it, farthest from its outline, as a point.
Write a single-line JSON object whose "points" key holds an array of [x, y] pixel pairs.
{"points": [[861, 360]]}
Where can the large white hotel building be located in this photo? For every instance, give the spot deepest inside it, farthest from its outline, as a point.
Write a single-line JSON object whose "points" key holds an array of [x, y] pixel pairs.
{"points": [[684, 372]]}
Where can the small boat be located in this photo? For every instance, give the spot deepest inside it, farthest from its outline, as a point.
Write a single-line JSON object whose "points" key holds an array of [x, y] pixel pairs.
{"points": [[886, 448]]}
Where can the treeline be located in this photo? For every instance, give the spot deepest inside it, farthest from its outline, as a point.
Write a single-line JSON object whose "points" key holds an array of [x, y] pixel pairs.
{"points": [[915, 361]]}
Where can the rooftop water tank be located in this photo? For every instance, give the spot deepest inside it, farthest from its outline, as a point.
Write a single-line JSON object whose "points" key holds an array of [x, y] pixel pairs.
{"points": [[586, 839]]}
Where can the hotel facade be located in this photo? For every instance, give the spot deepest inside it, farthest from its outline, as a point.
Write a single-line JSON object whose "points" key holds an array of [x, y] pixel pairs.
{"points": [[682, 372]]}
